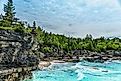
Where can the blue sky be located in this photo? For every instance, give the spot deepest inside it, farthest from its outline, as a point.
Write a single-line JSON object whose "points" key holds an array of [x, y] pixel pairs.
{"points": [[73, 18]]}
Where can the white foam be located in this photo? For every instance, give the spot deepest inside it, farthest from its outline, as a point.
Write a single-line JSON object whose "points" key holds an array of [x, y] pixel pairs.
{"points": [[80, 75], [117, 61], [80, 69]]}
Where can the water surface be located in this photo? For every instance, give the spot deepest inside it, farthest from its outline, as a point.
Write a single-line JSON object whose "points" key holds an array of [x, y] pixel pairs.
{"points": [[83, 71]]}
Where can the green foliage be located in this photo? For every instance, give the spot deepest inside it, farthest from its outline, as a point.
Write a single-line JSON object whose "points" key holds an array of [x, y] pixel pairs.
{"points": [[19, 29], [9, 13], [68, 44], [28, 30], [46, 50], [7, 28]]}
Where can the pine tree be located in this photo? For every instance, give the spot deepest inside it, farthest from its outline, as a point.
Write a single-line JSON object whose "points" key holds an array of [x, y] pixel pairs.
{"points": [[9, 9], [34, 24]]}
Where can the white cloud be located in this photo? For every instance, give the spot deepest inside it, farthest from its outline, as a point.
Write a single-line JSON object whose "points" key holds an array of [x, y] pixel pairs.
{"points": [[75, 17]]}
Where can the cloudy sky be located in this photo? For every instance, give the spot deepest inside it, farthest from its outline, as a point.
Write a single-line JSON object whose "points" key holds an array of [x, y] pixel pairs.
{"points": [[73, 17]]}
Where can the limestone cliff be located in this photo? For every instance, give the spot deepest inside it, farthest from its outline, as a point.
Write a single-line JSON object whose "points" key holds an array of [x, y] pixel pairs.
{"points": [[16, 49]]}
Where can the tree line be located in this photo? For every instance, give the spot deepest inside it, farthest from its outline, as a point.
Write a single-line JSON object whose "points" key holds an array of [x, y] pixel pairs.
{"points": [[50, 42]]}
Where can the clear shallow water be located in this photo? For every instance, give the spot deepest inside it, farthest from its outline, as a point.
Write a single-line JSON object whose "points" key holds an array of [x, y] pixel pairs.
{"points": [[83, 71]]}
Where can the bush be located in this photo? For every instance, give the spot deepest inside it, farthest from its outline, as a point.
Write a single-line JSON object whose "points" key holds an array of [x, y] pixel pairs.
{"points": [[19, 29]]}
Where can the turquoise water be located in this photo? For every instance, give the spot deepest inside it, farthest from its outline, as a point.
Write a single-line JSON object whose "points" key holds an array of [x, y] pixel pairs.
{"points": [[83, 71]]}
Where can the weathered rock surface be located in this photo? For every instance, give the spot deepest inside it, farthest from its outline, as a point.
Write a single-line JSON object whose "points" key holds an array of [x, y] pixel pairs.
{"points": [[16, 49], [17, 74], [77, 55]]}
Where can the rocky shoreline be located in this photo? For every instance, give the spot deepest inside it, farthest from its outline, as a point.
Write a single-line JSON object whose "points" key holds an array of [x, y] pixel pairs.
{"points": [[77, 55], [18, 50]]}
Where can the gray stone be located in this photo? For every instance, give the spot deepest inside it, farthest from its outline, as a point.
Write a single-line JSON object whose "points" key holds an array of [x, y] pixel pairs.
{"points": [[16, 49]]}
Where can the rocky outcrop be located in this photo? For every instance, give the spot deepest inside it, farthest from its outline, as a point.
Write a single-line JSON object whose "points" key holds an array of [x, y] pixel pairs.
{"points": [[103, 56], [96, 58], [77, 55], [17, 74], [16, 49]]}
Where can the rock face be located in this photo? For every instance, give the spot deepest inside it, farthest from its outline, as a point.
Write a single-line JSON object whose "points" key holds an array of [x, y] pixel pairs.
{"points": [[17, 74], [102, 57], [16, 49]]}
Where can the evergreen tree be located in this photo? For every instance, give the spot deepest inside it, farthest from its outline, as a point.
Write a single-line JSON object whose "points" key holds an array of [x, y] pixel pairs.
{"points": [[9, 12], [34, 24]]}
